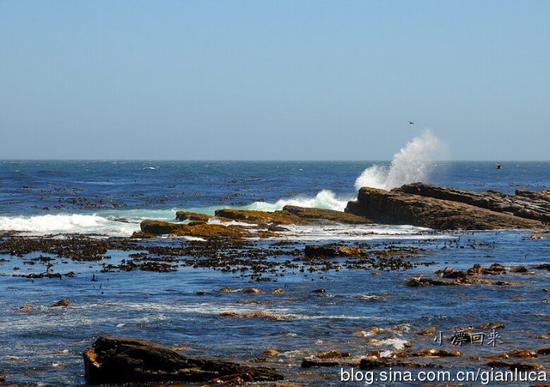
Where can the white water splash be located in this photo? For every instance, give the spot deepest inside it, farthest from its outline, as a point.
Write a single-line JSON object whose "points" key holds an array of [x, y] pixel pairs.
{"points": [[325, 199], [412, 163], [67, 223]]}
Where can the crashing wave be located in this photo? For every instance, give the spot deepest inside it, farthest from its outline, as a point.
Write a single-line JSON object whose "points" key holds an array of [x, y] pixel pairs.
{"points": [[67, 223], [325, 199]]}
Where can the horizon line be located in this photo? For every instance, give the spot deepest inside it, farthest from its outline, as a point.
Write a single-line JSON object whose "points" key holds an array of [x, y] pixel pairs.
{"points": [[273, 160]]}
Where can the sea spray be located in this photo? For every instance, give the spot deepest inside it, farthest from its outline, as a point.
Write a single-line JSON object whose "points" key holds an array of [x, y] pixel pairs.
{"points": [[411, 164]]}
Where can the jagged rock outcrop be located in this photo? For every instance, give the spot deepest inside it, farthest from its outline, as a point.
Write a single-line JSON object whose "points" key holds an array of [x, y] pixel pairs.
{"points": [[399, 206], [525, 204], [127, 360]]}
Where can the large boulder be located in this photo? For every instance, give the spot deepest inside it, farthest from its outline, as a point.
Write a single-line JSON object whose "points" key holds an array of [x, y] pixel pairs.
{"points": [[399, 207], [525, 204], [127, 360]]}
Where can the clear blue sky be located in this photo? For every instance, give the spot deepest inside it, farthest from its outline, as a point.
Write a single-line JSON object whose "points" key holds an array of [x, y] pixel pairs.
{"points": [[273, 79]]}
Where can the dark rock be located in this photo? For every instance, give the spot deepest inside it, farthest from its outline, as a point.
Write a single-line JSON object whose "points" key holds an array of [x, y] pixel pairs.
{"points": [[315, 362], [525, 204], [519, 269], [319, 291], [61, 303], [514, 366], [399, 207], [333, 354], [159, 227], [127, 360], [327, 251], [495, 269], [372, 362], [192, 216], [275, 228], [418, 282]]}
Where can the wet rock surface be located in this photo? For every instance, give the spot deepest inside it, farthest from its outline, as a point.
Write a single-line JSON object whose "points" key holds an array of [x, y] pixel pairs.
{"points": [[199, 230], [476, 275], [328, 251], [265, 285], [525, 204], [444, 210], [124, 360], [293, 215], [327, 216]]}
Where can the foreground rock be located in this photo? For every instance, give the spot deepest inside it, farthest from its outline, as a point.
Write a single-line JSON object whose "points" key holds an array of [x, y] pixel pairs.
{"points": [[127, 360], [399, 206]]}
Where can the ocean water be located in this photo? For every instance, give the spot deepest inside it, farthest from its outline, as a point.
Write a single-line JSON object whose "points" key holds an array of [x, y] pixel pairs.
{"points": [[103, 196], [44, 345]]}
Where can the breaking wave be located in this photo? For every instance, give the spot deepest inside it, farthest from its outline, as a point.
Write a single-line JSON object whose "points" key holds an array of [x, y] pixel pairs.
{"points": [[325, 199], [413, 163], [67, 223]]}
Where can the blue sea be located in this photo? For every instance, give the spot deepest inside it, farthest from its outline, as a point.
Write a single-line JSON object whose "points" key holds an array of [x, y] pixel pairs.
{"points": [[182, 308], [98, 191]]}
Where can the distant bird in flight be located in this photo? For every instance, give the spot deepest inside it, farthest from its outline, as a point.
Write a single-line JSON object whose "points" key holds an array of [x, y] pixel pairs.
{"points": [[411, 123]]}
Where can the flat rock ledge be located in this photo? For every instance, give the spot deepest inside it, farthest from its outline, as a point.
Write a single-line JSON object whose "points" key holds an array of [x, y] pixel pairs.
{"points": [[292, 215], [261, 223], [443, 208], [128, 360]]}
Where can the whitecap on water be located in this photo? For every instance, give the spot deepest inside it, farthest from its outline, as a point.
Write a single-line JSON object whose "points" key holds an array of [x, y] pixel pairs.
{"points": [[67, 223]]}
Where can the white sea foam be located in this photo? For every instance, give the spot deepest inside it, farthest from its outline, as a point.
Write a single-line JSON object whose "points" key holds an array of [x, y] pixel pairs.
{"points": [[324, 199], [412, 163], [67, 223], [123, 314], [356, 233]]}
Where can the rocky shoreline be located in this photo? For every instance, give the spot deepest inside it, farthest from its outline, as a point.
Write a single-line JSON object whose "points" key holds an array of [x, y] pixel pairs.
{"points": [[251, 245], [417, 204], [452, 209]]}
